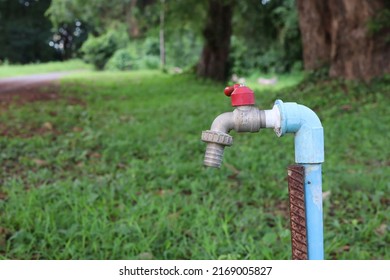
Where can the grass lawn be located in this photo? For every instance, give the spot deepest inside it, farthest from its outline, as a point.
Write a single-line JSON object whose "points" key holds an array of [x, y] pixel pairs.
{"points": [[20, 70], [113, 170]]}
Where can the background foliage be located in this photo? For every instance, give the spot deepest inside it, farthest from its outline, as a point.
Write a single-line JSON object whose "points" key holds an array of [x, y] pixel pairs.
{"points": [[262, 33], [107, 165], [25, 32], [98, 50]]}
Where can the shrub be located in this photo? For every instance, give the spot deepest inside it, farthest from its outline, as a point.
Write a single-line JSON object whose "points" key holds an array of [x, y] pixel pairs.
{"points": [[132, 58], [98, 50], [150, 62], [121, 60]]}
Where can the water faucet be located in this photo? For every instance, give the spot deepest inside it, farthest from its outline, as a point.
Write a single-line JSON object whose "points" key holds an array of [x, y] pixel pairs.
{"points": [[305, 178], [245, 118]]}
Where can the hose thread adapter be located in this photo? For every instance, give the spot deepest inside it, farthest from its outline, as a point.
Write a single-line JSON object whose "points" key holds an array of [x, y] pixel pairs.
{"points": [[216, 142]]}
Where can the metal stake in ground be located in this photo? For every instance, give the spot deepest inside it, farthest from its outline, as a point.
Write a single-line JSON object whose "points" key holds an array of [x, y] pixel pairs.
{"points": [[296, 191]]}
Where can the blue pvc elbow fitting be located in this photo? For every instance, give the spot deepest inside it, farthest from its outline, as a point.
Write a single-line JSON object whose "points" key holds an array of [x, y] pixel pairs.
{"points": [[309, 134]]}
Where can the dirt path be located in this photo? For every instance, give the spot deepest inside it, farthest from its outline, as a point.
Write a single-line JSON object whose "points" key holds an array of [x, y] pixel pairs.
{"points": [[16, 84], [29, 88], [22, 91]]}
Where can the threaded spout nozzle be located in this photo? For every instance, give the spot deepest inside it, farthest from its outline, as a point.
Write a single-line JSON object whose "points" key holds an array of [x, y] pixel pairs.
{"points": [[216, 142], [213, 156]]}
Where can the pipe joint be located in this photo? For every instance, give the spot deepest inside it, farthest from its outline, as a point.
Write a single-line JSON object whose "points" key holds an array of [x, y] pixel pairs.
{"points": [[308, 130]]}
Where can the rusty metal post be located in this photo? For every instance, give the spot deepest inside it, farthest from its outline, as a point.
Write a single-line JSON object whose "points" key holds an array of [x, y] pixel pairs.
{"points": [[296, 190]]}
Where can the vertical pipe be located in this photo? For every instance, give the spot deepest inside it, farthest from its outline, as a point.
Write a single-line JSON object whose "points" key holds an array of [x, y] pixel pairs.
{"points": [[309, 152], [313, 207]]}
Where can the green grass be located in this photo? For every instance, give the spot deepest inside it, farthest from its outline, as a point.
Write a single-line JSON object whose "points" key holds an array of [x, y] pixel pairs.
{"points": [[117, 173], [41, 68]]}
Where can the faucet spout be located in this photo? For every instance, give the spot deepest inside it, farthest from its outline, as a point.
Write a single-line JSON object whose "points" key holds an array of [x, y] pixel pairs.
{"points": [[242, 119], [223, 123], [214, 154], [217, 138]]}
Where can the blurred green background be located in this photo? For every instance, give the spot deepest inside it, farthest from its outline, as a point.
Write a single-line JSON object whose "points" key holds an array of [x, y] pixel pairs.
{"points": [[105, 162]]}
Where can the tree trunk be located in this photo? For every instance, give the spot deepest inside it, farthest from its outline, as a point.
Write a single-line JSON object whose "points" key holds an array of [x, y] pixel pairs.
{"points": [[335, 34], [217, 32], [132, 22], [162, 37]]}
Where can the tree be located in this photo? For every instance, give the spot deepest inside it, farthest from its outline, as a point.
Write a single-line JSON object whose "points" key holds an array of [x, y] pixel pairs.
{"points": [[162, 35], [266, 37], [335, 33], [96, 17], [99, 15], [25, 31], [217, 33]]}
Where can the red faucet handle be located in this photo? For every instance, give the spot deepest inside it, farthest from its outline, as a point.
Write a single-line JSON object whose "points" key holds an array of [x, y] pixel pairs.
{"points": [[240, 95], [228, 90]]}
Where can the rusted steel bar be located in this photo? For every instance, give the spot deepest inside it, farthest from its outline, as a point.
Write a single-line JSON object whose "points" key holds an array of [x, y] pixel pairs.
{"points": [[296, 182]]}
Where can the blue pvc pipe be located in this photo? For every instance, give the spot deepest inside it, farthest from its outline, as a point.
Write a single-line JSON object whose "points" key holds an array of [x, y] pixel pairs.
{"points": [[313, 208], [309, 152]]}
